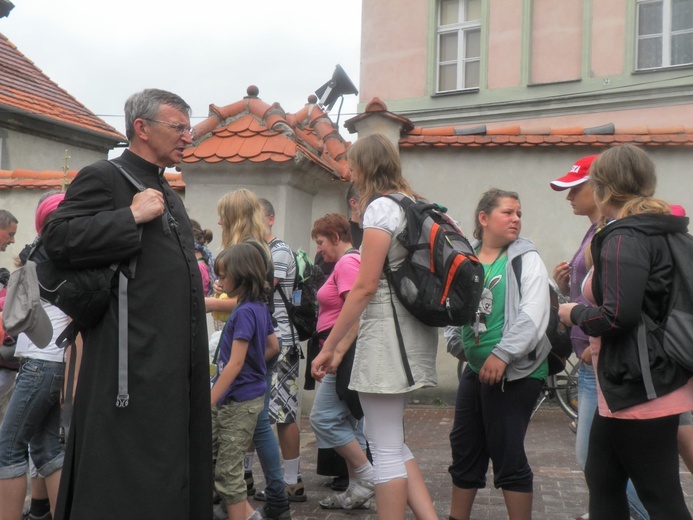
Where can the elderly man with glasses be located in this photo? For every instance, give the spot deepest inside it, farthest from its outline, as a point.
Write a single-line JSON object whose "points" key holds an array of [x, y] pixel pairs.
{"points": [[149, 456]]}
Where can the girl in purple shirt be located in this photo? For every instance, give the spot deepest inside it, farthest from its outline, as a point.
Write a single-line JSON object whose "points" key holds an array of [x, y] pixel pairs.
{"points": [[239, 389]]}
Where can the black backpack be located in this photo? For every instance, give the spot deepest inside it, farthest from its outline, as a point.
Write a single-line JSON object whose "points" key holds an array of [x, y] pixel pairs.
{"points": [[441, 279], [676, 330], [303, 307], [557, 332]]}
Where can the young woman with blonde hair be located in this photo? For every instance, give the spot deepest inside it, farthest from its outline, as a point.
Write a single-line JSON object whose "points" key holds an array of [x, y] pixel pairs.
{"points": [[634, 432], [378, 374], [242, 220]]}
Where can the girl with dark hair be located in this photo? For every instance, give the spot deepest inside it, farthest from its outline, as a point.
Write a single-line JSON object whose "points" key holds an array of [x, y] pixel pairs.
{"points": [[238, 393], [205, 259], [506, 350]]}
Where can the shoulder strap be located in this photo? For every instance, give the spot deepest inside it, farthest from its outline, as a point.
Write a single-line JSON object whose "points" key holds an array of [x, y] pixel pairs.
{"points": [[398, 330], [123, 398], [131, 178], [67, 340], [517, 268]]}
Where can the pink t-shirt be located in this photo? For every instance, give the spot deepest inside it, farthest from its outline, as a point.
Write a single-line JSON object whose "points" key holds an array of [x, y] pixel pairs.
{"points": [[204, 273], [331, 294], [673, 403]]}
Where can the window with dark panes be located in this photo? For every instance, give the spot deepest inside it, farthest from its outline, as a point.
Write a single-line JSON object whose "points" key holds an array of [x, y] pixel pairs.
{"points": [[459, 45], [664, 33]]}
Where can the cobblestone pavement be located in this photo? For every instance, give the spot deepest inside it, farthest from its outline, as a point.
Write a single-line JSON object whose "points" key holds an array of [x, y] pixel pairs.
{"points": [[560, 491]]}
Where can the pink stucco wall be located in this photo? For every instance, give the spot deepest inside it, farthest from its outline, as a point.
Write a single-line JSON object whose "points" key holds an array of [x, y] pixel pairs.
{"points": [[608, 38], [556, 41], [654, 118], [393, 49], [505, 44]]}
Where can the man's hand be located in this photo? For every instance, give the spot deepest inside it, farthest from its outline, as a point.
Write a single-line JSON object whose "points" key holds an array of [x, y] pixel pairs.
{"points": [[147, 205]]}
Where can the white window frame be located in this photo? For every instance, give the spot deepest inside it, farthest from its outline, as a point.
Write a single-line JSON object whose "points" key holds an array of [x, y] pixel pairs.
{"points": [[461, 28], [667, 35]]}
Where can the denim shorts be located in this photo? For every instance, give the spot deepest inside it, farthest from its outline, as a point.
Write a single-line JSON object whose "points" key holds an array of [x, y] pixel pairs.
{"points": [[33, 418], [331, 420]]}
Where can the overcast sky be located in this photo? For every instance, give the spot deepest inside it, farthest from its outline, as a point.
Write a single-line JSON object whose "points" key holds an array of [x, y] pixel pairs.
{"points": [[207, 51]]}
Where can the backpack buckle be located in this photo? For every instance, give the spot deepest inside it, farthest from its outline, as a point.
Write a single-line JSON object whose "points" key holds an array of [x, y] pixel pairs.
{"points": [[122, 400]]}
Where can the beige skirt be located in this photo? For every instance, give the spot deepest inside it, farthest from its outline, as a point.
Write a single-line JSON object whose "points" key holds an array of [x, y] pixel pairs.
{"points": [[378, 366]]}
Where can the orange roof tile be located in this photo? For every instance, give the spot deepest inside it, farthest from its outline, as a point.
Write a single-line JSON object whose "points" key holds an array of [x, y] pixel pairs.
{"points": [[600, 136], [509, 134], [251, 130], [24, 88], [53, 179], [376, 106]]}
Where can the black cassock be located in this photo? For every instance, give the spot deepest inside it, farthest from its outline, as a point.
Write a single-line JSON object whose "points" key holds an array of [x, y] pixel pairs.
{"points": [[153, 458]]}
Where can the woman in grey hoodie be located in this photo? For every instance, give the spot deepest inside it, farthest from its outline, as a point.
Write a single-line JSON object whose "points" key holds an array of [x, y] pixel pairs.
{"points": [[506, 349]]}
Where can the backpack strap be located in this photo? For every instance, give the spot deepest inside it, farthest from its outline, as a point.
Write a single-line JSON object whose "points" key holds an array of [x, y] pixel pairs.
{"points": [[644, 357], [404, 202], [294, 334], [517, 269], [67, 339], [398, 330], [123, 398]]}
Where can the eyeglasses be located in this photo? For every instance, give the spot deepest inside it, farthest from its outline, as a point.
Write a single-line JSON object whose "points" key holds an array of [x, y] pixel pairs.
{"points": [[180, 128]]}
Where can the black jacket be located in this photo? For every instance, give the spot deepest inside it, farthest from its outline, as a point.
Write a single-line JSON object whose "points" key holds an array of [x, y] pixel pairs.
{"points": [[152, 459], [633, 274]]}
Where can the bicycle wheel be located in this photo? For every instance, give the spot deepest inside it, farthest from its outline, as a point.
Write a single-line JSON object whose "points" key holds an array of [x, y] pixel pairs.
{"points": [[566, 388]]}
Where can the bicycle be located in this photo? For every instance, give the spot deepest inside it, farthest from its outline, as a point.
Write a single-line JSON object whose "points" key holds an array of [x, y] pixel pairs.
{"points": [[562, 387]]}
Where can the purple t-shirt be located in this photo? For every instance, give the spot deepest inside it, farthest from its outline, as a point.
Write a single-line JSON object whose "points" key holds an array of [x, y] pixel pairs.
{"points": [[578, 271], [250, 321]]}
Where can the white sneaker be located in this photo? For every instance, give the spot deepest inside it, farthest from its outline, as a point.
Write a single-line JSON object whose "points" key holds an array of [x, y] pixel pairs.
{"points": [[358, 496]]}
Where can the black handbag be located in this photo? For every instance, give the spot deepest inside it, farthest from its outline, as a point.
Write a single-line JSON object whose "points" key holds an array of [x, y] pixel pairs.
{"points": [[351, 397]]}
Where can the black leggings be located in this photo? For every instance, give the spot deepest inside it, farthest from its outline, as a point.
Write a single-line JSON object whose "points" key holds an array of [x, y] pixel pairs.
{"points": [[645, 451], [491, 422]]}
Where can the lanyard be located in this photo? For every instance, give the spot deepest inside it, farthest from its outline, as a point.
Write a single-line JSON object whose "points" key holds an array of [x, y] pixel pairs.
{"points": [[490, 266]]}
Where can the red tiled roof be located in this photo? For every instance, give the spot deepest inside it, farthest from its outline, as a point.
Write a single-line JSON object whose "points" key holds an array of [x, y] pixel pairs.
{"points": [[508, 134], [605, 135], [26, 89], [376, 105], [251, 130], [51, 179]]}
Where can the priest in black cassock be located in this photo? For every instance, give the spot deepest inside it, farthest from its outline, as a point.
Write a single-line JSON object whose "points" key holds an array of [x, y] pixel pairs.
{"points": [[151, 458]]}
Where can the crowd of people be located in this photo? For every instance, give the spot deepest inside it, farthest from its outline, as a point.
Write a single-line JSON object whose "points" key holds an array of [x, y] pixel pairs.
{"points": [[190, 442]]}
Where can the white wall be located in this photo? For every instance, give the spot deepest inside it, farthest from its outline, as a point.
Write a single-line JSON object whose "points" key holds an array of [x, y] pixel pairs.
{"points": [[29, 152]]}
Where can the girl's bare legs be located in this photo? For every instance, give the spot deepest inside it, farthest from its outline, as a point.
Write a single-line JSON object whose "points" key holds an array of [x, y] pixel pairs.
{"points": [[462, 502], [391, 499], [418, 498], [519, 505]]}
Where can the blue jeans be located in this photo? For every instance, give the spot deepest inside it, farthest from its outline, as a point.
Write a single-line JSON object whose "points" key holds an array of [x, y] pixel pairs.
{"points": [[33, 417], [587, 407], [268, 452]]}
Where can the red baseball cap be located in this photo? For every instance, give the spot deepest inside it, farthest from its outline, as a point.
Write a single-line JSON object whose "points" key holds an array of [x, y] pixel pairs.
{"points": [[578, 174]]}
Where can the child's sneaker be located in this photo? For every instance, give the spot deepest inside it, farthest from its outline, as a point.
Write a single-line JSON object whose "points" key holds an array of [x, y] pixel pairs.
{"points": [[358, 497], [294, 492], [271, 513], [249, 483]]}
